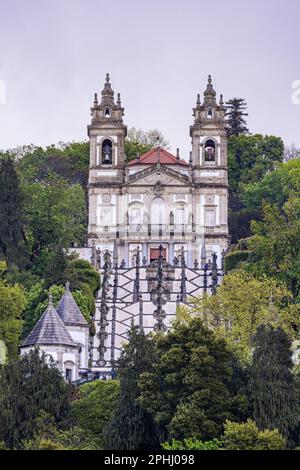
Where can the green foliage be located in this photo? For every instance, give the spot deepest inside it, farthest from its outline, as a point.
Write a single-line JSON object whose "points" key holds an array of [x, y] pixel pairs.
{"points": [[84, 282], [250, 158], [95, 406], [235, 116], [11, 227], [247, 436], [54, 212], [192, 444], [48, 437], [131, 427], [272, 384], [67, 160], [241, 304], [189, 390], [28, 386], [234, 259], [12, 304], [275, 187], [275, 244]]}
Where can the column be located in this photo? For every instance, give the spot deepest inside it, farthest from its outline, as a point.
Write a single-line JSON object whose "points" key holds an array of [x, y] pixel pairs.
{"points": [[145, 251], [126, 255], [171, 252]]}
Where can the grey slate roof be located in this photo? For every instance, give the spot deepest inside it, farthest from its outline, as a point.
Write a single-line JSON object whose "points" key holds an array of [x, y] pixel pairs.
{"points": [[49, 330], [69, 311]]}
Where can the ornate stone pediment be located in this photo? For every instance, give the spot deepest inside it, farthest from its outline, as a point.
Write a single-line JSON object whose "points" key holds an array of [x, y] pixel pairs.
{"points": [[158, 177]]}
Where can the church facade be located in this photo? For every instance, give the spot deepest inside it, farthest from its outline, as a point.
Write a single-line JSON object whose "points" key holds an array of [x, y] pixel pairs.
{"points": [[158, 226], [158, 198]]}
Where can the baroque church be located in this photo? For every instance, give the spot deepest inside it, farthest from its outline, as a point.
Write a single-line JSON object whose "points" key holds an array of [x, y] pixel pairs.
{"points": [[157, 230]]}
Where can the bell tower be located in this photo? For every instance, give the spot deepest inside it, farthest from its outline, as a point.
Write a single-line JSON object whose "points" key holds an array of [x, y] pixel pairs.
{"points": [[107, 134], [209, 172], [209, 137]]}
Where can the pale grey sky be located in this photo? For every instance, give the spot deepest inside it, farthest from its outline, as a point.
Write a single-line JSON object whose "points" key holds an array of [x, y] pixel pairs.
{"points": [[54, 55]]}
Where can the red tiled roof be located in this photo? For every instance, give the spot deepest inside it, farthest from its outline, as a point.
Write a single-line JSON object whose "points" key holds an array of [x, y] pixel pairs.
{"points": [[151, 157]]}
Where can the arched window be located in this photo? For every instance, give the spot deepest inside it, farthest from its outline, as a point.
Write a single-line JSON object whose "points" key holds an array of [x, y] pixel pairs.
{"points": [[107, 112], [210, 114], [210, 150], [106, 152], [158, 211]]}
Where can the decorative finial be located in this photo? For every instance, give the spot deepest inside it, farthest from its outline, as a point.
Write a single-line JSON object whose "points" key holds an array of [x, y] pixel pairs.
{"points": [[67, 286], [119, 99], [50, 300], [198, 100], [107, 78], [177, 154], [209, 79], [95, 99], [221, 100]]}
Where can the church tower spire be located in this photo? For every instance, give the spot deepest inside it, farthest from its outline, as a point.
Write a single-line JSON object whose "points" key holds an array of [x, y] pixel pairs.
{"points": [[107, 133], [209, 168]]}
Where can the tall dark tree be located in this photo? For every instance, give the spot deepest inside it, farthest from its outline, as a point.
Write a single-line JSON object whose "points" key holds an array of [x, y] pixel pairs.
{"points": [[271, 384], [235, 116], [28, 386], [131, 427], [11, 231], [192, 389]]}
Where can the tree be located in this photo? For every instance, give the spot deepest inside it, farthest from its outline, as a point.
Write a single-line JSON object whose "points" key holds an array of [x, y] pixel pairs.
{"points": [[274, 245], [11, 226], [189, 389], [95, 406], [275, 188], [12, 304], [250, 158], [241, 304], [272, 385], [139, 142], [47, 436], [54, 212], [131, 427], [192, 444], [247, 436], [29, 385], [69, 161], [235, 116]]}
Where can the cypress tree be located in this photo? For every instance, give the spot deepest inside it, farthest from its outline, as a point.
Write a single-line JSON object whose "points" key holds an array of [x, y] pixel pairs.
{"points": [[131, 427], [235, 116], [271, 384], [28, 386], [11, 230]]}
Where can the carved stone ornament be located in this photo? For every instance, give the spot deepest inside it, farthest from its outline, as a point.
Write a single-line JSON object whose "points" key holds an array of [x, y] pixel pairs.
{"points": [[158, 189], [106, 199]]}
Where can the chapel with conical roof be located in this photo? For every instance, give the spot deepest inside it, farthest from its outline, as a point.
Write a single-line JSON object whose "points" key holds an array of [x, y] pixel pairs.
{"points": [[63, 334]]}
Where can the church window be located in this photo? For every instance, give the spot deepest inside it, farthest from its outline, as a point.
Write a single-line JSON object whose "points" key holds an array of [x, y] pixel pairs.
{"points": [[180, 216], [210, 114], [106, 217], [209, 217], [135, 215], [210, 150], [68, 375], [107, 152], [107, 113]]}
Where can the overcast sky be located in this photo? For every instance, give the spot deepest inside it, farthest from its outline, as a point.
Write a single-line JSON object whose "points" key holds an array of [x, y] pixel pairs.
{"points": [[54, 55]]}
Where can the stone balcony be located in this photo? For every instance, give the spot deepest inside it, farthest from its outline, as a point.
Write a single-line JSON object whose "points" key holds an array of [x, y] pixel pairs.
{"points": [[155, 231]]}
